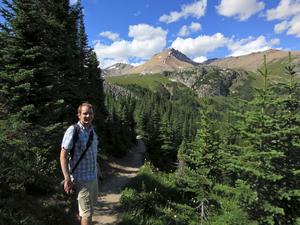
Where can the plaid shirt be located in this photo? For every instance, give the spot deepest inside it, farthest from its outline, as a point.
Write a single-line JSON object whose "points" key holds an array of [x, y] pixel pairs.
{"points": [[87, 168]]}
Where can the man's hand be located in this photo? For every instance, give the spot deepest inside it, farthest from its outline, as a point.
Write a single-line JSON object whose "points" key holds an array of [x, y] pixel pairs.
{"points": [[69, 187], [64, 159]]}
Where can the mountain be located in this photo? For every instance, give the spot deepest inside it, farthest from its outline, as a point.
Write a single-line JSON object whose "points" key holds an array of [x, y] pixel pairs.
{"points": [[254, 61], [173, 60], [202, 80], [116, 69], [218, 77], [208, 80], [168, 60]]}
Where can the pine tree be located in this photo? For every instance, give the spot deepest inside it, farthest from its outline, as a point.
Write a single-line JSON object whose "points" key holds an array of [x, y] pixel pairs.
{"points": [[39, 88], [29, 81], [167, 152], [266, 148], [152, 135], [286, 139], [203, 158]]}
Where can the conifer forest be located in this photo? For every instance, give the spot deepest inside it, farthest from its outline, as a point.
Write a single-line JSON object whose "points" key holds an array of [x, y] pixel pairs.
{"points": [[218, 160]]}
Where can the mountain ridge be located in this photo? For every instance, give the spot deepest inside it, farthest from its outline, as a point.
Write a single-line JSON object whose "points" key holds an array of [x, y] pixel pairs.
{"points": [[254, 61], [171, 60], [116, 69]]}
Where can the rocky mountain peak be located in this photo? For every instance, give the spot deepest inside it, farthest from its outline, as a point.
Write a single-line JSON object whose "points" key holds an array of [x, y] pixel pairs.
{"points": [[180, 56], [116, 69], [167, 60]]}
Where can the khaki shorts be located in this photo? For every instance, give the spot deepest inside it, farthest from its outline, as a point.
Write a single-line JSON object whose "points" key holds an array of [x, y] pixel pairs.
{"points": [[87, 197]]}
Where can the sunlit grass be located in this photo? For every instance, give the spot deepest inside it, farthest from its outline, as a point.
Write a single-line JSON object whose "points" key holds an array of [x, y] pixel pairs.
{"points": [[149, 81]]}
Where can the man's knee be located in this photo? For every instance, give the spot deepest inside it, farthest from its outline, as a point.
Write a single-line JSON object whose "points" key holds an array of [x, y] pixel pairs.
{"points": [[87, 197], [86, 221]]}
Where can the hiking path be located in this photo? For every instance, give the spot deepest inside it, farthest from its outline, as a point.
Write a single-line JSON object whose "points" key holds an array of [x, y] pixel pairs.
{"points": [[116, 175]]}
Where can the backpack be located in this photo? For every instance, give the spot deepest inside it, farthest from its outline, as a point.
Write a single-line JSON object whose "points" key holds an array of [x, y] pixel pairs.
{"points": [[75, 139]]}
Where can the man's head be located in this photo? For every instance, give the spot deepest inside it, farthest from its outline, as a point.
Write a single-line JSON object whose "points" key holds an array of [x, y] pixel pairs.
{"points": [[85, 114]]}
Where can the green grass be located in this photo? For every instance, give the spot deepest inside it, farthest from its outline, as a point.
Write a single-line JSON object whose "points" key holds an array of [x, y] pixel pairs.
{"points": [[149, 81], [277, 70], [244, 86]]}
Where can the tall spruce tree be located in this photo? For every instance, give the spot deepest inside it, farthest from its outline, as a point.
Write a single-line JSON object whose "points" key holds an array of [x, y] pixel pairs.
{"points": [[203, 158], [268, 150], [29, 81], [167, 152], [287, 139], [39, 89]]}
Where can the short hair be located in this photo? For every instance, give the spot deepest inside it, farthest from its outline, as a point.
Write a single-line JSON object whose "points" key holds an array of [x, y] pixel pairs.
{"points": [[84, 104]]}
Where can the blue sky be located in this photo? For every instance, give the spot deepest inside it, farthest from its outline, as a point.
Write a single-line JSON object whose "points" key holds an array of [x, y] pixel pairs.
{"points": [[131, 31]]}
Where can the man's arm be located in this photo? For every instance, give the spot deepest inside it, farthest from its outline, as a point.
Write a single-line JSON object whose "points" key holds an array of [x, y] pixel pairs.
{"points": [[64, 160]]}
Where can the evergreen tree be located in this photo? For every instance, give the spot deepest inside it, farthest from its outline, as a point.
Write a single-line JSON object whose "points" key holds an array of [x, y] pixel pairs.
{"points": [[168, 153], [286, 138], [203, 159], [268, 144], [29, 81], [39, 88], [152, 136]]}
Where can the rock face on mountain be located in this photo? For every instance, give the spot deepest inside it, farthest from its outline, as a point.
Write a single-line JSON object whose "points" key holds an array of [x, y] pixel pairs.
{"points": [[172, 60], [116, 69], [168, 60], [217, 77], [254, 61], [115, 90], [208, 80]]}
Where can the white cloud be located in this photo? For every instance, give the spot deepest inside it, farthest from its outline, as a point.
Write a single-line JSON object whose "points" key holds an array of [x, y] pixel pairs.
{"points": [[280, 27], [184, 31], [200, 59], [284, 10], [138, 63], [195, 26], [73, 2], [110, 35], [249, 45], [196, 9], [146, 41], [187, 30], [145, 32], [200, 45], [242, 10], [294, 28], [197, 48], [275, 41], [289, 12], [104, 63]]}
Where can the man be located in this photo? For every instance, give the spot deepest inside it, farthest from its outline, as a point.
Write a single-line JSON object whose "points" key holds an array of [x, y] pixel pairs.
{"points": [[83, 181]]}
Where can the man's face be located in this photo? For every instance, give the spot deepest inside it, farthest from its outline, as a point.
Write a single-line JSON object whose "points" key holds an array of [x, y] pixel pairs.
{"points": [[86, 116]]}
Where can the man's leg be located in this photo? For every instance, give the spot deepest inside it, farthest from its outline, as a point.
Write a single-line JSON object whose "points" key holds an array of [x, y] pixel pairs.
{"points": [[87, 196], [86, 221]]}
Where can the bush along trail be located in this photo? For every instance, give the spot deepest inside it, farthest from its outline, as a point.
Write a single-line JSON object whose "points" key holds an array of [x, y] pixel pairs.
{"points": [[116, 175]]}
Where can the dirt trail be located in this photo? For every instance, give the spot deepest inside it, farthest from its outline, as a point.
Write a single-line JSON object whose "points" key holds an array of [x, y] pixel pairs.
{"points": [[117, 173]]}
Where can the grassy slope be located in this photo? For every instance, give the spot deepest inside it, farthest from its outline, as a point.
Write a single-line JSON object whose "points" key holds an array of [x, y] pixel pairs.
{"points": [[149, 81], [276, 68], [243, 86]]}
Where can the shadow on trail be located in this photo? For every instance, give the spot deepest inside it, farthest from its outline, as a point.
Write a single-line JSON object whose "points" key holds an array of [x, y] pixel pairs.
{"points": [[117, 173]]}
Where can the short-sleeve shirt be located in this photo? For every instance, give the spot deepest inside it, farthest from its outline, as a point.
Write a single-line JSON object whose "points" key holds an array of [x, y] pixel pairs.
{"points": [[87, 168]]}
